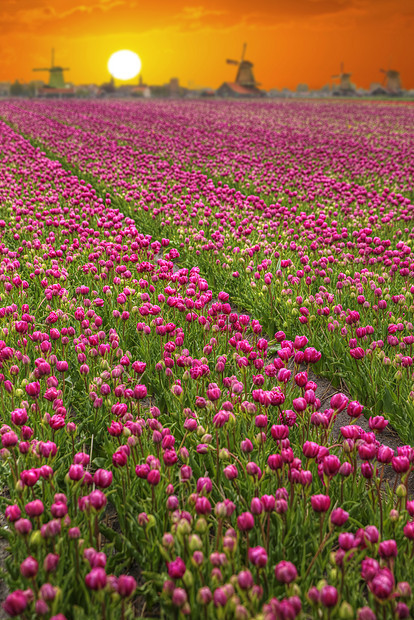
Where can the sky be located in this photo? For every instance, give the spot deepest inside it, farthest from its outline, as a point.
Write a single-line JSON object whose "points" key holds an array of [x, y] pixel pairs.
{"points": [[289, 41]]}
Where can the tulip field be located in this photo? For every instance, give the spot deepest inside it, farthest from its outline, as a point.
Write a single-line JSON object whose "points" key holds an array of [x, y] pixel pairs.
{"points": [[176, 277]]}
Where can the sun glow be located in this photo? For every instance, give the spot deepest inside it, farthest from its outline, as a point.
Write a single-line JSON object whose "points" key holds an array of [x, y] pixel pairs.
{"points": [[124, 65]]}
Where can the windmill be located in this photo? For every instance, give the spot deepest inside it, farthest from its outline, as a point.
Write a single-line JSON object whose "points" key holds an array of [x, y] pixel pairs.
{"points": [[244, 75], [55, 73], [392, 81], [345, 87]]}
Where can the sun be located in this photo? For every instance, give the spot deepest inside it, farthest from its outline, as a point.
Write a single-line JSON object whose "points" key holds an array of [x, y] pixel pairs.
{"points": [[124, 65]]}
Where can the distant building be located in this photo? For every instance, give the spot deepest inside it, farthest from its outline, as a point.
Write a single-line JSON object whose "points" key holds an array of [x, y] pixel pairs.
{"points": [[107, 89], [207, 92], [302, 90], [125, 90], [326, 89], [36, 85], [232, 89], [172, 90], [377, 90], [56, 93], [87, 90], [5, 89], [142, 91], [174, 87]]}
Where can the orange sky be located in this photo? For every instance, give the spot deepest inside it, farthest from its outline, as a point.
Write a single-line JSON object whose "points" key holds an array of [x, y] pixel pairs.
{"points": [[289, 41]]}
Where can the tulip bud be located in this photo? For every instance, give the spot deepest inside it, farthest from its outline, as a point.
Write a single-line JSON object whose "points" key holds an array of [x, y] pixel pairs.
{"points": [[394, 515], [346, 611], [401, 490], [204, 596], [313, 595], [29, 567], [404, 589], [15, 603], [126, 586], [241, 613], [201, 525], [168, 540], [151, 522], [329, 596], [41, 607], [188, 579], [285, 572], [195, 543], [36, 539], [366, 613], [224, 455], [50, 562]]}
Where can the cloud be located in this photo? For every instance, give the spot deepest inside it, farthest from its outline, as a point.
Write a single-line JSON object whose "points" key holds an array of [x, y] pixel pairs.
{"points": [[33, 16], [104, 6], [65, 17], [199, 12], [35, 13]]}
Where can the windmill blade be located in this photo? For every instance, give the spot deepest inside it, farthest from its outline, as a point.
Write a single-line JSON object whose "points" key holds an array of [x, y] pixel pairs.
{"points": [[229, 61], [243, 52], [342, 67], [48, 69], [335, 77]]}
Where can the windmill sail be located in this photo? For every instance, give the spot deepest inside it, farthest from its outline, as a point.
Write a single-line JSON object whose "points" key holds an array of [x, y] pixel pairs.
{"points": [[392, 81], [244, 76], [345, 87], [245, 84], [56, 79]]}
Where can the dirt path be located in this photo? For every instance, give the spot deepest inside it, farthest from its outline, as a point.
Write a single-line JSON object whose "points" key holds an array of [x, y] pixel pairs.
{"points": [[388, 437]]}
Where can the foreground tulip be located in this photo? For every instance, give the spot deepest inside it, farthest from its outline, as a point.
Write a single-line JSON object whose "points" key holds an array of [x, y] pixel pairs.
{"points": [[320, 503], [29, 567], [34, 508], [126, 586], [96, 579], [245, 580], [258, 556], [15, 603], [329, 596], [204, 596], [339, 517], [102, 478], [382, 584], [245, 522], [366, 613], [176, 568], [286, 572]]}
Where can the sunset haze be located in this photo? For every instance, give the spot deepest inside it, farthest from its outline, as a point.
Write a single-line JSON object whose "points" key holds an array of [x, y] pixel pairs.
{"points": [[300, 41]]}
